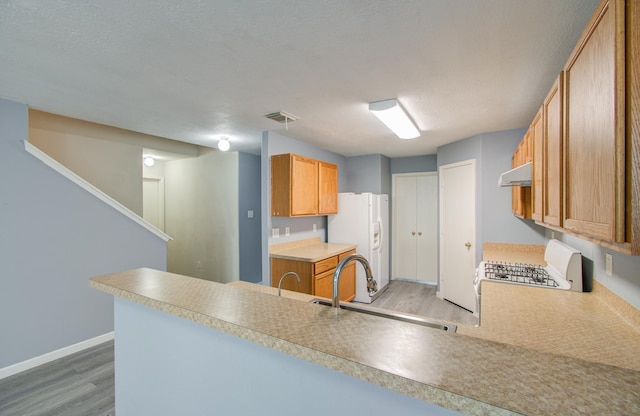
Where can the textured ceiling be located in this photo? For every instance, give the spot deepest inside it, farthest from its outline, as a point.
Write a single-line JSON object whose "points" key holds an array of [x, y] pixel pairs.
{"points": [[192, 71]]}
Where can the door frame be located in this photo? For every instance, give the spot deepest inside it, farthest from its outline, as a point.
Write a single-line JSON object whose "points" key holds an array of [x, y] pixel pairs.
{"points": [[393, 216], [161, 201], [474, 183]]}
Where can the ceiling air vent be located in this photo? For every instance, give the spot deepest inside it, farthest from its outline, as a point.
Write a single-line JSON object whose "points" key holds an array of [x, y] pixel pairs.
{"points": [[281, 117]]}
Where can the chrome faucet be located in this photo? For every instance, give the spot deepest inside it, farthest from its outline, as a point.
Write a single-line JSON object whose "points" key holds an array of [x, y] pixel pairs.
{"points": [[372, 286], [282, 278]]}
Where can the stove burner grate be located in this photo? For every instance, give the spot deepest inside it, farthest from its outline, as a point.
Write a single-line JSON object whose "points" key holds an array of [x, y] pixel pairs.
{"points": [[526, 274]]}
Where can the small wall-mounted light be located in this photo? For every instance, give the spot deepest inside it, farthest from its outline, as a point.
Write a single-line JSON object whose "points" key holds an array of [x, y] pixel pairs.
{"points": [[391, 113], [223, 144], [149, 161]]}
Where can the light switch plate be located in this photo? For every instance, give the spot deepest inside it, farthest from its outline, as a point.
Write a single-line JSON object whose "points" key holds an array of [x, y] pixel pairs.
{"points": [[250, 213], [608, 264]]}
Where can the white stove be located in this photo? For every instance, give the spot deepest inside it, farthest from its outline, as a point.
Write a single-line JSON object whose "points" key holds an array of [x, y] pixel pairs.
{"points": [[563, 271]]}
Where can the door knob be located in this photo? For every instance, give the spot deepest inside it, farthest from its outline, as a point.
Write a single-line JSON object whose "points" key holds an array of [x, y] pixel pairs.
{"points": [[467, 244], [419, 232], [413, 233]]}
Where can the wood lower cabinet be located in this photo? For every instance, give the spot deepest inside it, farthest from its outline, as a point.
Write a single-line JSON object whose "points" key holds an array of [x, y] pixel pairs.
{"points": [[316, 277], [594, 128], [302, 186]]}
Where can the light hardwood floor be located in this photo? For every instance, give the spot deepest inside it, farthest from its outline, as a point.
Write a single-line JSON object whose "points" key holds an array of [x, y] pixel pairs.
{"points": [[420, 299], [81, 384]]}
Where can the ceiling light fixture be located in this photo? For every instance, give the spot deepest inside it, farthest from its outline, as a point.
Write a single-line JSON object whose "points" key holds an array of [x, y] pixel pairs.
{"points": [[149, 161], [223, 144], [391, 113]]}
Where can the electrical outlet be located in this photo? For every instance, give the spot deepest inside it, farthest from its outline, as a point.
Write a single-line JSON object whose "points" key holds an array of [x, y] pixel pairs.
{"points": [[275, 232], [608, 264], [287, 231], [250, 213], [198, 265], [553, 235], [315, 228]]}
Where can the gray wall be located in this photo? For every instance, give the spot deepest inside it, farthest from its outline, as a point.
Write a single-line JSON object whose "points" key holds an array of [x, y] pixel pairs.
{"points": [[625, 281], [370, 173], [55, 236], [411, 164], [300, 228], [249, 228], [107, 157], [494, 220], [227, 375], [201, 214]]}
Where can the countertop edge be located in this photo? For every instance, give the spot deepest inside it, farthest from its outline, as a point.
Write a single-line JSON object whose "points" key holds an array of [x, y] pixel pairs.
{"points": [[291, 253], [361, 371]]}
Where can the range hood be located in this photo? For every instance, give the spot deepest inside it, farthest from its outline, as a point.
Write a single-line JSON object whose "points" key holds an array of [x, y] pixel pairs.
{"points": [[520, 176]]}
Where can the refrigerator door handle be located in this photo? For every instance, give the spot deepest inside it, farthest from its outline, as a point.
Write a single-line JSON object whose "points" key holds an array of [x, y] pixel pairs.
{"points": [[378, 244]]}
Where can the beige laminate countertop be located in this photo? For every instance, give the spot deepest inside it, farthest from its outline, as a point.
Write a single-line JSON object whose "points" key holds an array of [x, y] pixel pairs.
{"points": [[595, 326], [310, 250], [462, 373]]}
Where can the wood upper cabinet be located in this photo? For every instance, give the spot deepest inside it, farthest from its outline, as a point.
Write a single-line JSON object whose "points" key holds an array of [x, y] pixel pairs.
{"points": [[537, 170], [521, 195], [594, 128], [303, 186], [552, 154], [327, 188]]}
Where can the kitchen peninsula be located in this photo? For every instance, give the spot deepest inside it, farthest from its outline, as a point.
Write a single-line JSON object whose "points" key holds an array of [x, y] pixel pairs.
{"points": [[182, 341]]}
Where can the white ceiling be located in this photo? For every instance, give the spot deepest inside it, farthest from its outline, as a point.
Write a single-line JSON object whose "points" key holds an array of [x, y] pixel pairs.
{"points": [[192, 71]]}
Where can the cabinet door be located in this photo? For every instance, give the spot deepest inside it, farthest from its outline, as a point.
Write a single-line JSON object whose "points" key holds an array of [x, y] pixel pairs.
{"points": [[521, 195], [348, 279], [594, 132], [537, 146], [327, 188], [304, 269], [304, 185], [324, 285], [552, 184]]}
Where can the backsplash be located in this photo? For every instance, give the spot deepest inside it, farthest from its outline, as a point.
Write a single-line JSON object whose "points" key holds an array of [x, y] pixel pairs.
{"points": [[625, 281]]}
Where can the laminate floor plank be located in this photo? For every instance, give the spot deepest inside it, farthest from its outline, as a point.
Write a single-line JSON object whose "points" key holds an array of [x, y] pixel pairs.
{"points": [[80, 384], [420, 299]]}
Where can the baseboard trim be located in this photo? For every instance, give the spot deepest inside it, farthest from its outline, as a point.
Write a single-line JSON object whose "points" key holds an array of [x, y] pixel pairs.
{"points": [[54, 355]]}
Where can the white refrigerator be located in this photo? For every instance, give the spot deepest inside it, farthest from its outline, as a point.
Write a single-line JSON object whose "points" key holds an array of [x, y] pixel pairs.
{"points": [[363, 220]]}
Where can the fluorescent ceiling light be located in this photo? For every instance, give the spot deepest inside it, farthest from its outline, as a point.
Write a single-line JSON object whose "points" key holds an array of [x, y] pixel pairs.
{"points": [[223, 144], [393, 116]]}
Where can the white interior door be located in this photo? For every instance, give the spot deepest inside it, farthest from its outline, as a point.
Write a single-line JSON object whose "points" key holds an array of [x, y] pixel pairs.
{"points": [[427, 228], [404, 227], [457, 233], [153, 201]]}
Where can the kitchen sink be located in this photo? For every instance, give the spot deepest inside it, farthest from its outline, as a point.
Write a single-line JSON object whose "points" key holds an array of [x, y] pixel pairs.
{"points": [[390, 315]]}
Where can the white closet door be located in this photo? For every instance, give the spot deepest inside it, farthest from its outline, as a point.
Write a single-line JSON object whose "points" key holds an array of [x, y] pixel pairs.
{"points": [[404, 212], [415, 242], [427, 228]]}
